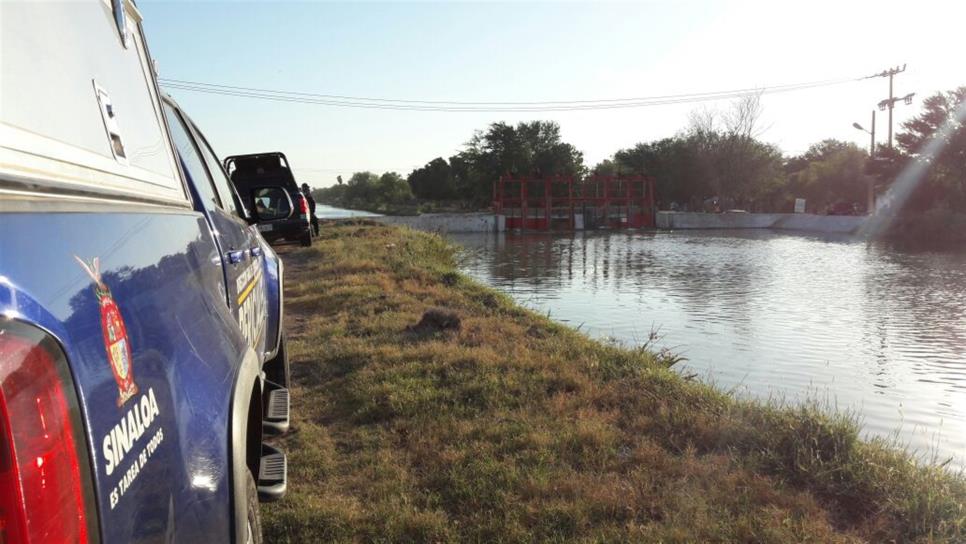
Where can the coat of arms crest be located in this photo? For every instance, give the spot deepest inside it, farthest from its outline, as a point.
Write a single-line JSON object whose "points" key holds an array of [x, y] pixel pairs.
{"points": [[116, 343]]}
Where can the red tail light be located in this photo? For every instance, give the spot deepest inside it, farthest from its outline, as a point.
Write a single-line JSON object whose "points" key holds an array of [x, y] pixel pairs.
{"points": [[44, 475], [303, 205]]}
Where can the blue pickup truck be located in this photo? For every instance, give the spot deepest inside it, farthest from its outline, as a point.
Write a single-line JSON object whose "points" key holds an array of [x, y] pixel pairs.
{"points": [[142, 357]]}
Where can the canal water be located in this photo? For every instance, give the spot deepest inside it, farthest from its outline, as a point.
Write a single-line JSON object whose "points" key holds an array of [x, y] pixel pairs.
{"points": [[873, 329], [324, 211]]}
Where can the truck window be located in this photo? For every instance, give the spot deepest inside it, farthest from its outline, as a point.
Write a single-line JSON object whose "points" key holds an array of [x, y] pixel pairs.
{"points": [[222, 185], [63, 65], [192, 161]]}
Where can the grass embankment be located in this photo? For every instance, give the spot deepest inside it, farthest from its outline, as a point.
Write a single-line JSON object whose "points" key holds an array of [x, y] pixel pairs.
{"points": [[517, 429]]}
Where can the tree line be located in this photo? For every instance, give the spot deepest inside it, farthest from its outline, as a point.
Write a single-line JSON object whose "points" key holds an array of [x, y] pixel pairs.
{"points": [[367, 191], [719, 155]]}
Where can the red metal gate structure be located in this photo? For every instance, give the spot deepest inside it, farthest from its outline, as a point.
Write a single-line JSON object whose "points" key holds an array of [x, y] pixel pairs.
{"points": [[556, 202]]}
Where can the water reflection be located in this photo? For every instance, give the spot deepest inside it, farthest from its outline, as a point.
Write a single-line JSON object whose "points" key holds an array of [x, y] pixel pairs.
{"points": [[868, 327]]}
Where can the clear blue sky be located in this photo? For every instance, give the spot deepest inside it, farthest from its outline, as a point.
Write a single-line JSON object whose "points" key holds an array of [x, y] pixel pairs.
{"points": [[532, 52]]}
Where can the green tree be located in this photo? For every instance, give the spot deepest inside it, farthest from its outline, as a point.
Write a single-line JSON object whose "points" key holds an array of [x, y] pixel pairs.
{"points": [[367, 191], [718, 155], [528, 149], [673, 163], [702, 163], [606, 167], [433, 181], [392, 189], [945, 181], [830, 171], [463, 176], [362, 188], [334, 195], [747, 168]]}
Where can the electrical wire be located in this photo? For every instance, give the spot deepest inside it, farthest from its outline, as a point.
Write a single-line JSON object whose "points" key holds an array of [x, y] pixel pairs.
{"points": [[165, 81], [456, 106], [357, 169]]}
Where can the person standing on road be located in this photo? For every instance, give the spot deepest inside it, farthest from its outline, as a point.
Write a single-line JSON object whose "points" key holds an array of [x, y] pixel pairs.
{"points": [[307, 191]]}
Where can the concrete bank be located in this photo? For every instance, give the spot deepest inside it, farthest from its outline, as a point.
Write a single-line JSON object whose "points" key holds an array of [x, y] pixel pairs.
{"points": [[842, 224], [488, 222], [444, 222]]}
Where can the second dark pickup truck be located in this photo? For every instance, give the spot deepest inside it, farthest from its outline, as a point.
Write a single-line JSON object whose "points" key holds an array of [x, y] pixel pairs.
{"points": [[266, 185]]}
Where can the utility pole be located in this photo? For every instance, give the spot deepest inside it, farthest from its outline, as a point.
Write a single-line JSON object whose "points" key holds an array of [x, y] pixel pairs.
{"points": [[890, 102], [892, 105], [872, 133], [870, 196], [870, 192]]}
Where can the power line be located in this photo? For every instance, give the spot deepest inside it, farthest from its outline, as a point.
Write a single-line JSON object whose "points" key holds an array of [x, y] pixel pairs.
{"points": [[455, 106], [356, 169], [280, 96], [166, 81]]}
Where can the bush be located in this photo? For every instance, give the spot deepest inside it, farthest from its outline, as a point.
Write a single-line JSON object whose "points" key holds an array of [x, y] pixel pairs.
{"points": [[931, 227]]}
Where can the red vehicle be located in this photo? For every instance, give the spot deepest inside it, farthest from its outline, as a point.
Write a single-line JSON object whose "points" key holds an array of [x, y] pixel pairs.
{"points": [[844, 208]]}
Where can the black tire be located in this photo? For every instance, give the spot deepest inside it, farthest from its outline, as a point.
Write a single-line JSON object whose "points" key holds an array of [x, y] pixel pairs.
{"points": [[306, 240], [254, 522]]}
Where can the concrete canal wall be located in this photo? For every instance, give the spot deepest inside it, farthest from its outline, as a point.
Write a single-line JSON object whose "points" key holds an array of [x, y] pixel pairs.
{"points": [[444, 222], [488, 222], [778, 221]]}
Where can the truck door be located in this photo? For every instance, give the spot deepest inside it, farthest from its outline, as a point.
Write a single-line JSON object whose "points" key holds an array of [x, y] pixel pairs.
{"points": [[241, 252], [259, 309]]}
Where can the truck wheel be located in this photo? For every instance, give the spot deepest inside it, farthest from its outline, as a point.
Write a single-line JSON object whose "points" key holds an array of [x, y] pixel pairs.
{"points": [[254, 524], [306, 240]]}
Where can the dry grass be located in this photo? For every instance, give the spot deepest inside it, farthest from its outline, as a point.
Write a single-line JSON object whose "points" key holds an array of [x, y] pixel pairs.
{"points": [[512, 428]]}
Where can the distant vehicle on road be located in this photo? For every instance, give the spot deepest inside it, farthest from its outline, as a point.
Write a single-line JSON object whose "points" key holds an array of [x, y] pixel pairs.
{"points": [[142, 355], [267, 186]]}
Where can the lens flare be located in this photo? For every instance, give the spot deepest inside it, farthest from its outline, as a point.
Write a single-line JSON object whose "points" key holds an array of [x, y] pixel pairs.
{"points": [[912, 176]]}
